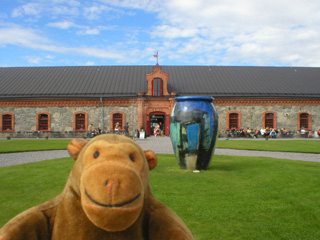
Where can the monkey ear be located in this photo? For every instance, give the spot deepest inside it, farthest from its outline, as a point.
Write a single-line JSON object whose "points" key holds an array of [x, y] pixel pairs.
{"points": [[75, 147], [151, 158]]}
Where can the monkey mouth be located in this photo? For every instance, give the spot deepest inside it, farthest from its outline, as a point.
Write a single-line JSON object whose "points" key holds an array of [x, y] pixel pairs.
{"points": [[112, 205]]}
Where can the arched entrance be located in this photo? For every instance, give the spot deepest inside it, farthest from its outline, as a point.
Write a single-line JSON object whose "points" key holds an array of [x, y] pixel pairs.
{"points": [[161, 119]]}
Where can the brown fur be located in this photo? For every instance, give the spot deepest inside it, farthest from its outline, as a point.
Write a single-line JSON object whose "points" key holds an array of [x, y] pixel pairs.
{"points": [[107, 196]]}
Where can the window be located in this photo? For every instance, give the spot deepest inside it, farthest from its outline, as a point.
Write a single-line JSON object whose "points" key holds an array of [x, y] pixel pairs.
{"points": [[269, 120], [157, 83], [80, 120], [233, 121], [43, 122], [157, 87], [304, 121], [7, 121], [119, 118]]}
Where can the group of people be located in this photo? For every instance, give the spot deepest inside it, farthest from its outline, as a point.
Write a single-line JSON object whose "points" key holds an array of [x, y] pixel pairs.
{"points": [[271, 133], [309, 134], [117, 129], [264, 132], [92, 132], [243, 133]]}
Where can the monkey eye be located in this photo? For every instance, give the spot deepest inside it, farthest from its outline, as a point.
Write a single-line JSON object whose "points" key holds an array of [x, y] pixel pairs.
{"points": [[96, 154], [131, 157]]}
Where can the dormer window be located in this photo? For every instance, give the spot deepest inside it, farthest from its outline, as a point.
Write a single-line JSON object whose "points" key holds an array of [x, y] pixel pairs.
{"points": [[157, 83], [157, 87]]}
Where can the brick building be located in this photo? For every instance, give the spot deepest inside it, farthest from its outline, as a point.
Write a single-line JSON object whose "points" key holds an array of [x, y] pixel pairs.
{"points": [[64, 101]]}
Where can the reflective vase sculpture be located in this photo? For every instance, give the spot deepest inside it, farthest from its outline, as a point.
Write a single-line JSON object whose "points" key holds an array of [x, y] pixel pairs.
{"points": [[194, 131]]}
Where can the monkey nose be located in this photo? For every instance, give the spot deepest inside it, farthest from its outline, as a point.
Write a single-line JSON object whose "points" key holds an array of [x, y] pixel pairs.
{"points": [[112, 184], [114, 181]]}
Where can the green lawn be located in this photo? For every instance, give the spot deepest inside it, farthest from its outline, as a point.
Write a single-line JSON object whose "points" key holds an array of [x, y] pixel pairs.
{"points": [[303, 146], [7, 146], [237, 198]]}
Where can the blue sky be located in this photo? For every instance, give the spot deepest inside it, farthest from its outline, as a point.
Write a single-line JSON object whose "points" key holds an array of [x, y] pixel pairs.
{"points": [[184, 32]]}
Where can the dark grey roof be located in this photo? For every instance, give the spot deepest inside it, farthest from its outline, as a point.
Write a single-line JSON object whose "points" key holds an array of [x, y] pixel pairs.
{"points": [[127, 81]]}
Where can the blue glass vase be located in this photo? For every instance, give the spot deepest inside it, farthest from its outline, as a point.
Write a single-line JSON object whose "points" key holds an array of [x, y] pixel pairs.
{"points": [[194, 131]]}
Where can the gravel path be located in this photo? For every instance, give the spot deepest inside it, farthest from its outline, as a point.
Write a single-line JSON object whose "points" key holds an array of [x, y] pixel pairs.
{"points": [[158, 145], [163, 145], [9, 159]]}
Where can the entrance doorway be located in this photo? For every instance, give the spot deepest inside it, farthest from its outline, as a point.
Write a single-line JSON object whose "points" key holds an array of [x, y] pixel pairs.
{"points": [[157, 120]]}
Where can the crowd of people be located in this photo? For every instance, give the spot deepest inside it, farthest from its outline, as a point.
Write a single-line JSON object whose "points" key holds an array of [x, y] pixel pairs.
{"points": [[270, 133], [309, 134], [249, 132], [92, 132]]}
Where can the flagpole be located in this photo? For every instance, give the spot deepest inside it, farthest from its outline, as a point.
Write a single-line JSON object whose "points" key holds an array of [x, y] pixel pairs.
{"points": [[157, 56]]}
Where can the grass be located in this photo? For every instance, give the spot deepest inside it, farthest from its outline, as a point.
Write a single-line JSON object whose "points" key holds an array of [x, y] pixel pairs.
{"points": [[7, 146], [302, 146], [237, 198]]}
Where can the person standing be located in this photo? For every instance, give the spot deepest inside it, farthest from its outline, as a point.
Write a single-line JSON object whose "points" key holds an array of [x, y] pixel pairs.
{"points": [[117, 128], [161, 129], [90, 130], [126, 129]]}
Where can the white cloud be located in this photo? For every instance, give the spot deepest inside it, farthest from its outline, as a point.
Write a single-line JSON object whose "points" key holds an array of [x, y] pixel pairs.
{"points": [[61, 24], [21, 37], [84, 30], [95, 11], [90, 63], [30, 39], [30, 9], [50, 57], [63, 10], [33, 59], [166, 31], [69, 2], [213, 32], [38, 8], [94, 31], [148, 5], [255, 32]]}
